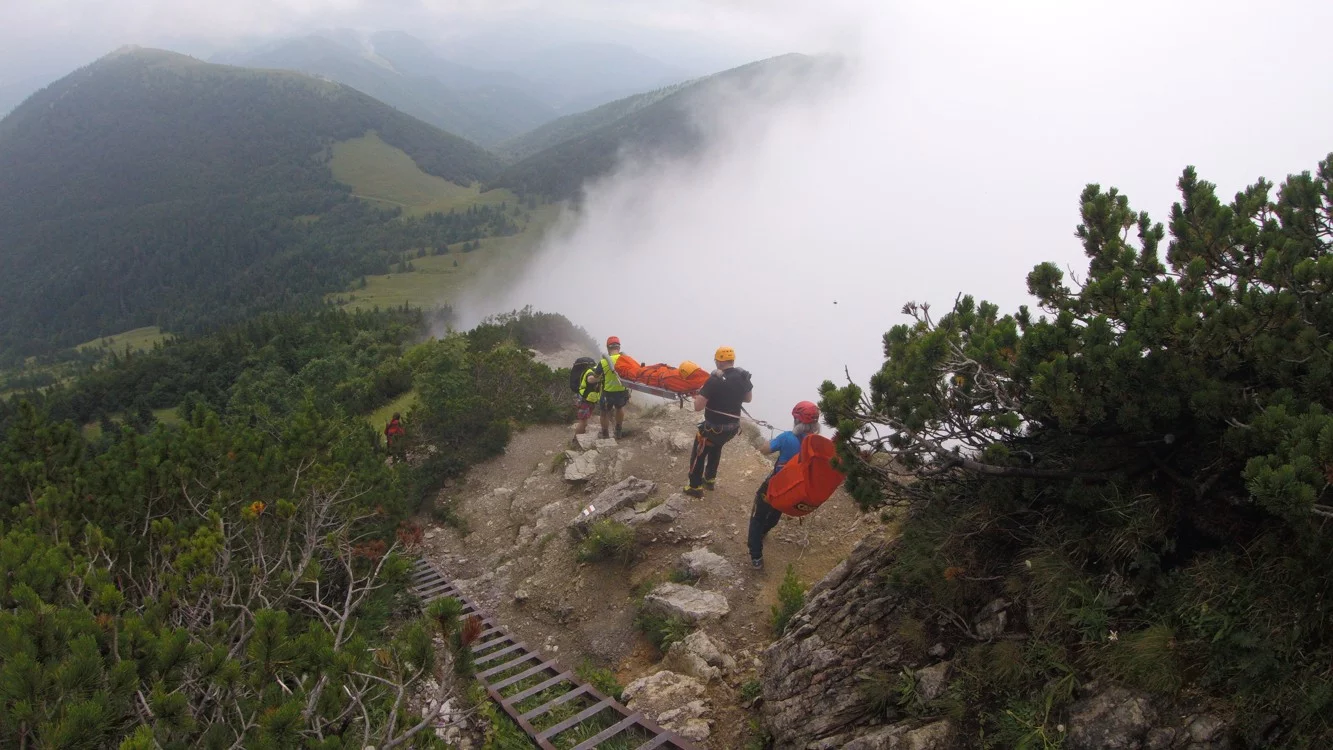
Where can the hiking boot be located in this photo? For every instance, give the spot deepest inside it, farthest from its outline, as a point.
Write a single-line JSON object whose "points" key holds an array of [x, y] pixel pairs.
{"points": [[695, 492], [619, 433], [603, 435], [710, 484], [757, 563]]}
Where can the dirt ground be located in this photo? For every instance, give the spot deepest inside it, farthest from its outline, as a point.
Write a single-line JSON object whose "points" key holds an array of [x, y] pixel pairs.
{"points": [[517, 558]]}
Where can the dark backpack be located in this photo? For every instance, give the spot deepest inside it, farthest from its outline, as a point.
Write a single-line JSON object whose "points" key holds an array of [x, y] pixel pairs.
{"points": [[576, 371]]}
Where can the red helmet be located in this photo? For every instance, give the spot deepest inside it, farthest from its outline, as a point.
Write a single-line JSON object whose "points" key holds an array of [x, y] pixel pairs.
{"points": [[806, 412], [613, 341]]}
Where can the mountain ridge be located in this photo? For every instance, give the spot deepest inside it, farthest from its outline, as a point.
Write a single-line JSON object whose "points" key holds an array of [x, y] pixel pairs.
{"points": [[152, 188]]}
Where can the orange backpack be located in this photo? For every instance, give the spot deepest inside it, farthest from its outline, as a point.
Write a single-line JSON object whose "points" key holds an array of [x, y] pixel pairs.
{"points": [[807, 480]]}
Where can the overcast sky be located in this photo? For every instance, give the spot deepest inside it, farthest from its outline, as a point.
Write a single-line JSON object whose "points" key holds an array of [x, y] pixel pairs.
{"points": [[42, 37], [950, 161]]}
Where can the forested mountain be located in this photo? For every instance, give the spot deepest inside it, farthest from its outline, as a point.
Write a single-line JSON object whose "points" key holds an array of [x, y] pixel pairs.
{"points": [[659, 123], [572, 126], [240, 578], [403, 72], [151, 188]]}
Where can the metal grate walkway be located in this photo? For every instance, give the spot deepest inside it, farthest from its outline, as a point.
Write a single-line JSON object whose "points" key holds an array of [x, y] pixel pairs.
{"points": [[555, 708]]}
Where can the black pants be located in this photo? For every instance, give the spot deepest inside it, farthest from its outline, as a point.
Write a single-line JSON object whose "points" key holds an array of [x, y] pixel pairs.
{"points": [[762, 520], [707, 450]]}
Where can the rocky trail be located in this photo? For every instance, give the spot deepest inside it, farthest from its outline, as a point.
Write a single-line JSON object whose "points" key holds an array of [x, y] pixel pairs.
{"points": [[514, 551]]}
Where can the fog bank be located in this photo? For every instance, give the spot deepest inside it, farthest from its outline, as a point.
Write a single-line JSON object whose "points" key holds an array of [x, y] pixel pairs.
{"points": [[948, 158]]}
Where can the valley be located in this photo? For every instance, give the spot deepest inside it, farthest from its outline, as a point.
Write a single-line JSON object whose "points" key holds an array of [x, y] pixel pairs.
{"points": [[1085, 506]]}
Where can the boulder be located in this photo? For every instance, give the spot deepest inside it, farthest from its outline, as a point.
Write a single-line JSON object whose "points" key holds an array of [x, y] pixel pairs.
{"points": [[703, 563], [939, 735], [587, 441], [680, 659], [699, 643], [658, 515], [992, 620], [686, 602], [931, 681], [673, 700], [681, 442], [617, 497], [1115, 718], [688, 721], [698, 657], [580, 467]]}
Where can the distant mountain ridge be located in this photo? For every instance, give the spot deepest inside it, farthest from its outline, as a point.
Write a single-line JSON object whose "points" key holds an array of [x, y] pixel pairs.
{"points": [[558, 159], [487, 106], [396, 69], [573, 126], [153, 188]]}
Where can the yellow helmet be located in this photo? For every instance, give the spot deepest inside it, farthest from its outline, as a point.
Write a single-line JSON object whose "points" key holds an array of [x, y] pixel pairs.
{"points": [[687, 368], [725, 354]]}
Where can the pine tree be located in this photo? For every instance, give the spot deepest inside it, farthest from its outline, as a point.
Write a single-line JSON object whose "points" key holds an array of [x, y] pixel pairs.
{"points": [[1152, 454]]}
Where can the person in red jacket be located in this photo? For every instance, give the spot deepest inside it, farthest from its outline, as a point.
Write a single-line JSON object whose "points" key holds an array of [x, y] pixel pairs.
{"points": [[393, 435], [805, 422]]}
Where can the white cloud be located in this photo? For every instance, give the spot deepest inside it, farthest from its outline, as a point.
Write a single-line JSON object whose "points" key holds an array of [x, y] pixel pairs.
{"points": [[951, 161]]}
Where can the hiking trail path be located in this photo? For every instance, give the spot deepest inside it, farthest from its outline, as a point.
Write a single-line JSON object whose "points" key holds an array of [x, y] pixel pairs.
{"points": [[516, 556]]}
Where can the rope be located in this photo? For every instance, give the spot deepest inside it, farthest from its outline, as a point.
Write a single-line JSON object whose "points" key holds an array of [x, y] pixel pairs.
{"points": [[760, 422]]}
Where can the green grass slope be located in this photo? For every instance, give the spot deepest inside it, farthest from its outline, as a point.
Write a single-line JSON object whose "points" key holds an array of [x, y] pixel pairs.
{"points": [[153, 189], [381, 173], [436, 280]]}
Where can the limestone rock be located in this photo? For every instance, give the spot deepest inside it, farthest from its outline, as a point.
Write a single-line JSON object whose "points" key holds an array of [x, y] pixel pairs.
{"points": [[687, 602], [699, 643], [687, 721], [658, 515], [992, 619], [658, 436], [673, 700], [681, 442], [698, 657], [1112, 719], [703, 563], [680, 659], [621, 495], [580, 467], [931, 681], [939, 735], [503, 492], [586, 441], [811, 689]]}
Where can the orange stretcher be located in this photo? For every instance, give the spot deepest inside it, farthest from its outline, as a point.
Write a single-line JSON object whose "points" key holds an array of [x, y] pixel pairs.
{"points": [[661, 379]]}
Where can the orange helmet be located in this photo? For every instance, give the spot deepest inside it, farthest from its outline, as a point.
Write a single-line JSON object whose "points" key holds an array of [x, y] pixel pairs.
{"points": [[687, 368], [612, 341], [725, 354], [806, 412]]}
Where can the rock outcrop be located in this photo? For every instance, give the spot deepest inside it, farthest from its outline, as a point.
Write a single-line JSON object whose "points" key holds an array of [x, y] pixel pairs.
{"points": [[674, 701], [810, 685], [705, 564], [1112, 717], [612, 500], [580, 467], [698, 657], [848, 628], [686, 602]]}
